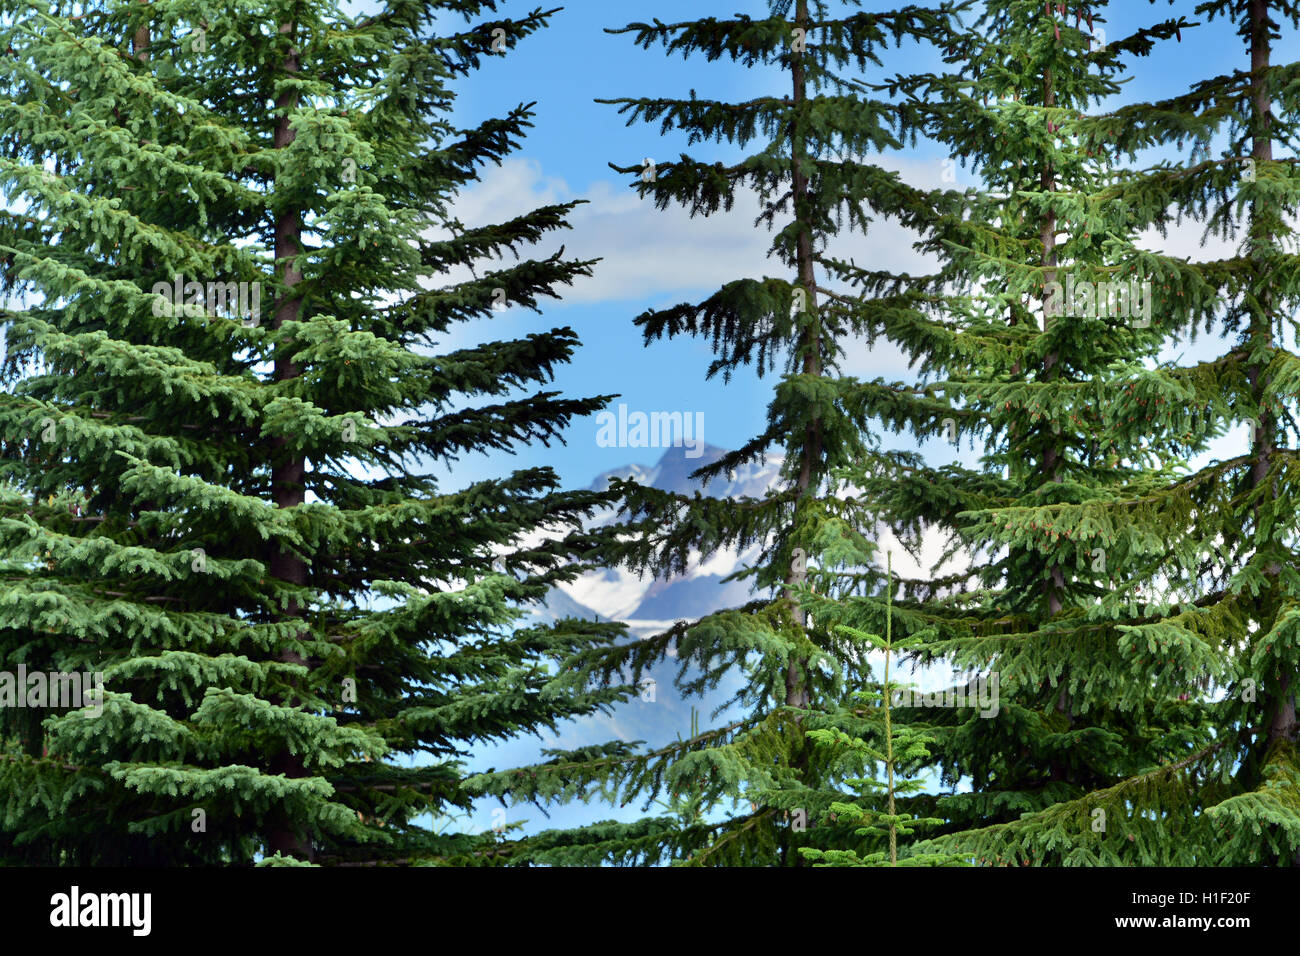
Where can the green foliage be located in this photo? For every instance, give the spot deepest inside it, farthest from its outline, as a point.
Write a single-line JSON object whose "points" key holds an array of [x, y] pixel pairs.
{"points": [[1039, 537], [229, 514]]}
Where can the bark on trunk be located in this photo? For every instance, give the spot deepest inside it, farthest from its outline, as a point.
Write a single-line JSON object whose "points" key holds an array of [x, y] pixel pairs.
{"points": [[287, 471], [796, 688], [1282, 723]]}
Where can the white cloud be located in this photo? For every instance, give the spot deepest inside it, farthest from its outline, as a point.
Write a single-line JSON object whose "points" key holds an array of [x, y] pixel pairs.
{"points": [[645, 253], [652, 254]]}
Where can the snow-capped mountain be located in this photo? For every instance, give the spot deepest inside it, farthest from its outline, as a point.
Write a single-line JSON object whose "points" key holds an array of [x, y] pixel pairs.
{"points": [[648, 605]]}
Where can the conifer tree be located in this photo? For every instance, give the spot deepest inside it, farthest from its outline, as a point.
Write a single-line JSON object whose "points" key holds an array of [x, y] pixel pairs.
{"points": [[230, 515], [757, 789], [1215, 547], [904, 746], [1026, 362]]}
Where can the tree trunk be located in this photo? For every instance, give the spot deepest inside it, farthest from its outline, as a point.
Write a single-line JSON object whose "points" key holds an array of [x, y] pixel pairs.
{"points": [[1281, 723], [287, 471], [1054, 585], [796, 688]]}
